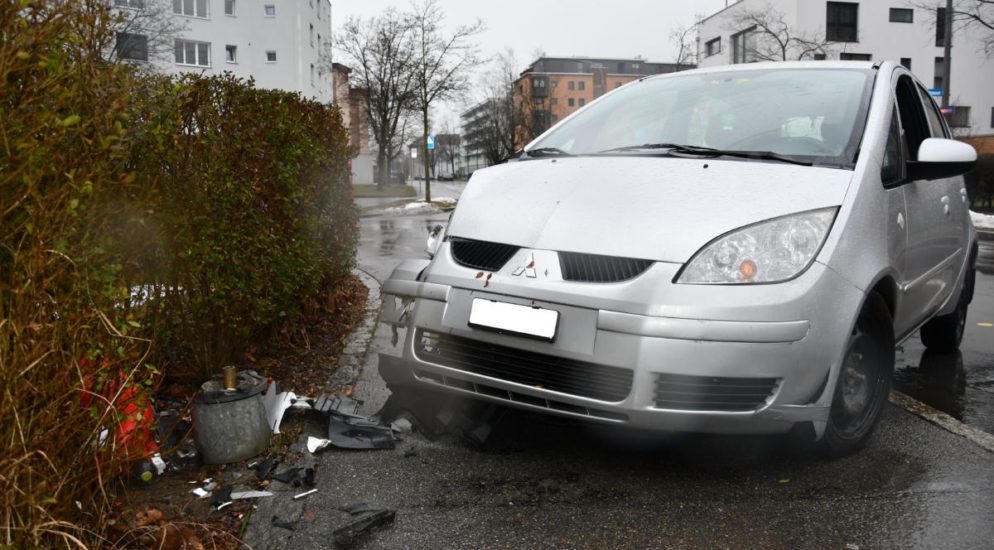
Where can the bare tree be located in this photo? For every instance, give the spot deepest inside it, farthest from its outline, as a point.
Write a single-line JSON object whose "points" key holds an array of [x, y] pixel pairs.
{"points": [[443, 63], [381, 52], [502, 118], [772, 39], [685, 39], [974, 15], [146, 30]]}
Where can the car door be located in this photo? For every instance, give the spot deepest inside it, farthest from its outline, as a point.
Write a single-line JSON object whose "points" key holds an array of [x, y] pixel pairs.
{"points": [[933, 248]]}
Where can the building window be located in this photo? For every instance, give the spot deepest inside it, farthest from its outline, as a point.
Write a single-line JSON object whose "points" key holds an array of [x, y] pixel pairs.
{"points": [[906, 62], [992, 117], [190, 8], [270, 10], [940, 27], [582, 85], [820, 57], [555, 83], [571, 85], [582, 102], [621, 67], [131, 46], [189, 52], [538, 83], [845, 56], [571, 102], [617, 85], [958, 117], [712, 47], [902, 15], [554, 101], [635, 66], [231, 53], [137, 4], [312, 74], [841, 23], [744, 46], [538, 100], [310, 35], [271, 56]]}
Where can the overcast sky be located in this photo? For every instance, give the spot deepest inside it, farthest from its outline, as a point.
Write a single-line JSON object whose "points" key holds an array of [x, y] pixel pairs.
{"points": [[590, 28]]}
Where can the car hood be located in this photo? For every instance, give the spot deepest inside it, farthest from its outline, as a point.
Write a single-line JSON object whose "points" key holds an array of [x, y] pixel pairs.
{"points": [[654, 208]]}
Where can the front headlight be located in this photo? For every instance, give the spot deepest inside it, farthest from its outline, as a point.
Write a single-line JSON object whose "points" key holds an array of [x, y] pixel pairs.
{"points": [[767, 252]]}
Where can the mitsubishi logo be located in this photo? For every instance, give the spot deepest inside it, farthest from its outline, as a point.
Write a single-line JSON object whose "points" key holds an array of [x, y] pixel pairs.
{"points": [[528, 270]]}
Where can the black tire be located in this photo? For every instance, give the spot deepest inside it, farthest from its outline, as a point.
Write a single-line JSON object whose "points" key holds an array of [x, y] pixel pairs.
{"points": [[863, 382], [946, 333]]}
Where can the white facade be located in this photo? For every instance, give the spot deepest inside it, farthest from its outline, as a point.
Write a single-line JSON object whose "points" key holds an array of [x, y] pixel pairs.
{"points": [[877, 37], [282, 44]]}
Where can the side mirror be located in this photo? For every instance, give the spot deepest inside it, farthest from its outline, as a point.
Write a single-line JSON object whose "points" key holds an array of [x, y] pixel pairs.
{"points": [[942, 158]]}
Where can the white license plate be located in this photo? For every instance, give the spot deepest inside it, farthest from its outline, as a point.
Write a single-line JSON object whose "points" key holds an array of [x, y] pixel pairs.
{"points": [[514, 319]]}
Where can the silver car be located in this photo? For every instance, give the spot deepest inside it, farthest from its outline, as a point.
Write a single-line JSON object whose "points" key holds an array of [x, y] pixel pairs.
{"points": [[728, 250]]}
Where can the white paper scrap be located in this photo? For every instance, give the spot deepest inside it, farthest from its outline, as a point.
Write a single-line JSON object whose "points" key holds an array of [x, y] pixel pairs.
{"points": [[201, 493], [304, 494], [315, 444]]}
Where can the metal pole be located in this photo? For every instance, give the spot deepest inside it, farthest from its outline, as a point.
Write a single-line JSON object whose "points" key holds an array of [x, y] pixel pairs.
{"points": [[947, 65]]}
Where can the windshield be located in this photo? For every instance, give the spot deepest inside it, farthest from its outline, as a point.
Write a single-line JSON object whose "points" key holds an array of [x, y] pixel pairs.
{"points": [[811, 114]]}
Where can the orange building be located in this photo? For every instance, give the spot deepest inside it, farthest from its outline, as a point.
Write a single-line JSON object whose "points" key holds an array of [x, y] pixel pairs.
{"points": [[552, 88]]}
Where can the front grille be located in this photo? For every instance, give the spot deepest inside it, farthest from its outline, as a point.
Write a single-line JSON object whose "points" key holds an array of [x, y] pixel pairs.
{"points": [[481, 254], [710, 393], [524, 367], [590, 268]]}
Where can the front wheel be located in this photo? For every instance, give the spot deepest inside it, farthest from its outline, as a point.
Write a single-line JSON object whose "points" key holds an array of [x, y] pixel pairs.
{"points": [[864, 380]]}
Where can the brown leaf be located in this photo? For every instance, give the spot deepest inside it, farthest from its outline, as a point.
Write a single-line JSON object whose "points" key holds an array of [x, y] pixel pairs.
{"points": [[486, 284], [478, 275], [489, 276], [531, 264]]}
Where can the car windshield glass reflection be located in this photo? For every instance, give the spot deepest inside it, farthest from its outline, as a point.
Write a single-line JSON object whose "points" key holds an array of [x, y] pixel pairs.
{"points": [[816, 115]]}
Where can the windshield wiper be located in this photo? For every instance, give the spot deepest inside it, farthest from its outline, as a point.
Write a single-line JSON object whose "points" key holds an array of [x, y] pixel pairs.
{"points": [[709, 151], [547, 152]]}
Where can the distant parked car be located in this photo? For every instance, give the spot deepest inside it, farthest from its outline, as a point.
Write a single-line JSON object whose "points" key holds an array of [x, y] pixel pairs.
{"points": [[727, 250], [445, 176]]}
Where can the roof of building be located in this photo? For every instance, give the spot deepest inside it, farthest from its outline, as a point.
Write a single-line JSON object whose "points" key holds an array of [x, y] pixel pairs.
{"points": [[587, 64]]}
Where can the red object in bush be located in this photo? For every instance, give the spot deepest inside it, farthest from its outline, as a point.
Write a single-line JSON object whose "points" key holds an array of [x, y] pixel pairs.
{"points": [[133, 436]]}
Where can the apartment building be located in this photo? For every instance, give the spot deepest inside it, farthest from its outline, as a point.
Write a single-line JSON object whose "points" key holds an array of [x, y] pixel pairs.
{"points": [[282, 44], [552, 88], [862, 30]]}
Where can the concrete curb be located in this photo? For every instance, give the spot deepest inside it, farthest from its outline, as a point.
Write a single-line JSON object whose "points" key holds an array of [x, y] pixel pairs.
{"points": [[943, 420], [353, 357], [985, 234]]}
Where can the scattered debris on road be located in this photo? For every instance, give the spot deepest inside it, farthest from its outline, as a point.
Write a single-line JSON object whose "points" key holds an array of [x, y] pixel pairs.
{"points": [[366, 520]]}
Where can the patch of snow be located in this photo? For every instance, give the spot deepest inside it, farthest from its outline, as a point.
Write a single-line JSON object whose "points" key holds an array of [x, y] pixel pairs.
{"points": [[982, 221], [420, 207]]}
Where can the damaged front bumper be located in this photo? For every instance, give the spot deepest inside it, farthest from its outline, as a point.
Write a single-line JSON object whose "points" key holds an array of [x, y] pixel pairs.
{"points": [[718, 373]]}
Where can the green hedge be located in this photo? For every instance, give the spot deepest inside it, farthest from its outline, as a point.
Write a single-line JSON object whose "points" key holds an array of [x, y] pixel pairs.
{"points": [[230, 203]]}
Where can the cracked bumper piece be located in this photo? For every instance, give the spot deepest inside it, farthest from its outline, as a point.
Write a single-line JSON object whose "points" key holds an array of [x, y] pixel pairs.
{"points": [[717, 375]]}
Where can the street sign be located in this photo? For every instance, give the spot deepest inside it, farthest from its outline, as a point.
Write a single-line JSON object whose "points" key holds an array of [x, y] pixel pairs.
{"points": [[431, 143], [935, 92], [414, 152]]}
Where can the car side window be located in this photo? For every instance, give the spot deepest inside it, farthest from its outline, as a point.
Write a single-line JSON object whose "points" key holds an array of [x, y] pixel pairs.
{"points": [[913, 121], [932, 112], [893, 162]]}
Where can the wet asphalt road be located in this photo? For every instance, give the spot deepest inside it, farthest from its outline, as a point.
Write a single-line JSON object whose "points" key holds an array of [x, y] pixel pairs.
{"points": [[552, 484]]}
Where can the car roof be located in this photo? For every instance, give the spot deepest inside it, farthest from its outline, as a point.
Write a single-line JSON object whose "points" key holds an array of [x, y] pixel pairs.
{"points": [[775, 65]]}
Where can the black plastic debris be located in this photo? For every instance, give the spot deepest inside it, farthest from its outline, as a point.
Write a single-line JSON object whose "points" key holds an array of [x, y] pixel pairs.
{"points": [[357, 508], [221, 497], [264, 468], [340, 404], [363, 524], [289, 477], [283, 523], [358, 433], [308, 477]]}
